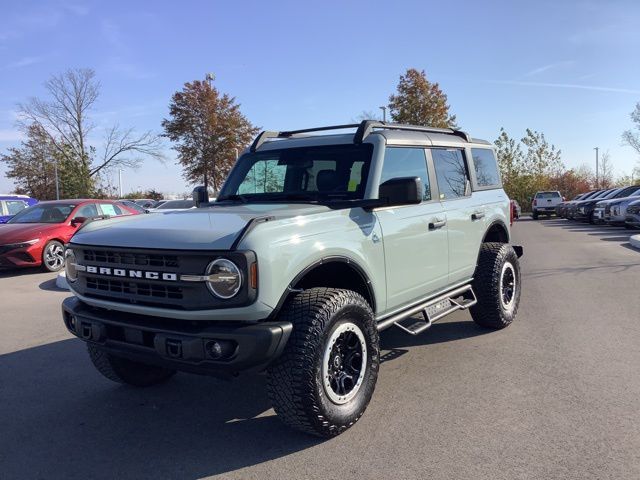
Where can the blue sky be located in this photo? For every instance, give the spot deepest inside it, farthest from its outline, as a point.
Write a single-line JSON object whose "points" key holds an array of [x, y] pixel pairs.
{"points": [[570, 69]]}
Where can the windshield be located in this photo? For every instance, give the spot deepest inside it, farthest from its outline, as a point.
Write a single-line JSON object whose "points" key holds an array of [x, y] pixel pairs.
{"points": [[41, 213], [321, 173]]}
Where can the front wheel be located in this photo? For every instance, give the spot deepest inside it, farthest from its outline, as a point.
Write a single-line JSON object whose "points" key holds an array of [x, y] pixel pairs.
{"points": [[53, 256], [122, 370], [327, 373], [534, 215], [497, 286]]}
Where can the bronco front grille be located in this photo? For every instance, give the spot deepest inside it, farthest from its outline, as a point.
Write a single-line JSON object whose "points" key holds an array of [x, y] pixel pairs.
{"points": [[131, 259], [142, 289]]}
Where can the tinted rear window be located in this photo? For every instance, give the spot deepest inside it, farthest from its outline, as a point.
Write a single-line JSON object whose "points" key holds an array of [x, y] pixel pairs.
{"points": [[547, 195]]}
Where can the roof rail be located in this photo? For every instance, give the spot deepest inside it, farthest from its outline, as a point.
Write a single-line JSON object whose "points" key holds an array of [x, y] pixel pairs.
{"points": [[367, 126], [363, 129]]}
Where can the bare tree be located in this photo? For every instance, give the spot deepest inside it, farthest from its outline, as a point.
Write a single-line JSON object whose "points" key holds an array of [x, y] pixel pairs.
{"points": [[606, 171], [65, 117]]}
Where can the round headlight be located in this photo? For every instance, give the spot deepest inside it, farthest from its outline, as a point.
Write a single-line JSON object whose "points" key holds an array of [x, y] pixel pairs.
{"points": [[225, 278], [70, 265]]}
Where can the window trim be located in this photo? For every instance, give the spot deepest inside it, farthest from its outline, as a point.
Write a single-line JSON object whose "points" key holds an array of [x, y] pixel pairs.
{"points": [[435, 193], [472, 171], [466, 164]]}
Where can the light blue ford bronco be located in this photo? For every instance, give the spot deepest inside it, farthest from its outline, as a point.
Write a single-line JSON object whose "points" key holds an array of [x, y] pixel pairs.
{"points": [[318, 240]]}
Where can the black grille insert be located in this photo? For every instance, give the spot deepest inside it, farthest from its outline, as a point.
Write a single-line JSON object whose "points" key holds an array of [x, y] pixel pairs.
{"points": [[142, 289], [128, 258]]}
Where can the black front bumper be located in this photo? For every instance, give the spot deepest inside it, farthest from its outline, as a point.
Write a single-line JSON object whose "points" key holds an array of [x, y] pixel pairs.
{"points": [[177, 344]]}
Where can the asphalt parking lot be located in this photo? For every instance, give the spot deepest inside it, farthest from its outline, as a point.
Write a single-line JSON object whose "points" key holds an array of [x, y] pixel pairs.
{"points": [[556, 395]]}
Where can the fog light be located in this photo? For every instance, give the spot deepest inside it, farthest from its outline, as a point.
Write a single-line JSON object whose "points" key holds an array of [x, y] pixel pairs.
{"points": [[220, 349]]}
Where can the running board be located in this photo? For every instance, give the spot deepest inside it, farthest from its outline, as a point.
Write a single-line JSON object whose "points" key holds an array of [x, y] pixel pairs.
{"points": [[432, 310]]}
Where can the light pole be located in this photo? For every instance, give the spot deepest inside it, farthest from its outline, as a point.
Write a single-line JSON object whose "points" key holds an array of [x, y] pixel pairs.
{"points": [[120, 181], [384, 113], [55, 168], [597, 173]]}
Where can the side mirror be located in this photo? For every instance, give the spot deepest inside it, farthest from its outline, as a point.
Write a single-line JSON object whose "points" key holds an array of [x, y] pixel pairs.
{"points": [[78, 221], [401, 191], [200, 196]]}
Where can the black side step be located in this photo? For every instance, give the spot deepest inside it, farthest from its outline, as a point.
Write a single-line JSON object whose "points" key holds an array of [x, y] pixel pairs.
{"points": [[432, 310]]}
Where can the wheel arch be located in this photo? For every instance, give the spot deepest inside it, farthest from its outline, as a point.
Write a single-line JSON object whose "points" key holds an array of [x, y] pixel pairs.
{"points": [[336, 271], [497, 232]]}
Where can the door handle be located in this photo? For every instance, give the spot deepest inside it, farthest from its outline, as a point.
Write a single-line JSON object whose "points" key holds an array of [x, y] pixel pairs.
{"points": [[477, 215], [437, 224]]}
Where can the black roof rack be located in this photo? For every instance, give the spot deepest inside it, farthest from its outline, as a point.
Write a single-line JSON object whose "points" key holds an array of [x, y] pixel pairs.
{"points": [[363, 129]]}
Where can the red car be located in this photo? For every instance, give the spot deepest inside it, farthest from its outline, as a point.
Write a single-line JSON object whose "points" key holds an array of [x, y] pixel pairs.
{"points": [[36, 235]]}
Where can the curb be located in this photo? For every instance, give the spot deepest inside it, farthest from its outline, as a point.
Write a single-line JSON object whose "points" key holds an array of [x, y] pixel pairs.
{"points": [[634, 240], [61, 281]]}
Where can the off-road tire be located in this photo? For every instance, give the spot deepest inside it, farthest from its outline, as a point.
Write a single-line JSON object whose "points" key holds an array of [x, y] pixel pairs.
{"points": [[490, 311], [122, 370], [295, 380]]}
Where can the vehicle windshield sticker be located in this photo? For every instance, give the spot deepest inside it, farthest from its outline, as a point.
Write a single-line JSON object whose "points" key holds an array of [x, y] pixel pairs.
{"points": [[108, 209]]}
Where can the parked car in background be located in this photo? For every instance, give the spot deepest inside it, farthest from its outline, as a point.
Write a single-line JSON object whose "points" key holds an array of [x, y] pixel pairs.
{"points": [[545, 203], [516, 211], [599, 194], [145, 202], [157, 203], [585, 208], [632, 219], [133, 205], [172, 205], [35, 236], [561, 208], [602, 209], [10, 204], [615, 213]]}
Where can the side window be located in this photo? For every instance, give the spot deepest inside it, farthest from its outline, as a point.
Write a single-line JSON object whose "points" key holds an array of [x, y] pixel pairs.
{"points": [[486, 167], [451, 172], [406, 162], [88, 211], [110, 209], [15, 206]]}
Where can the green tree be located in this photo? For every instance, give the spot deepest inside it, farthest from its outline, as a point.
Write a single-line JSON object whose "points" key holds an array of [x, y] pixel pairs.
{"points": [[65, 118], [32, 167], [420, 102], [208, 129]]}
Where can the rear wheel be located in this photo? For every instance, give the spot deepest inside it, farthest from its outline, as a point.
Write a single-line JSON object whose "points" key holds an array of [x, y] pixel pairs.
{"points": [[53, 256], [326, 376], [497, 286], [122, 370]]}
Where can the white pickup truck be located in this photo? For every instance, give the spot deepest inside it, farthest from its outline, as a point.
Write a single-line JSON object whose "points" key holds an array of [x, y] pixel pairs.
{"points": [[545, 203]]}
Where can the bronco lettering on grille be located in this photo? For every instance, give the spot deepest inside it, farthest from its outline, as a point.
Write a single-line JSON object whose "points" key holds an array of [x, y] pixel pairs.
{"points": [[121, 272]]}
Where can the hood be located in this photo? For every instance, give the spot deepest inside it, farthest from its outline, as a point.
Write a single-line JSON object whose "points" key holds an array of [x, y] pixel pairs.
{"points": [[620, 200], [211, 228], [22, 232]]}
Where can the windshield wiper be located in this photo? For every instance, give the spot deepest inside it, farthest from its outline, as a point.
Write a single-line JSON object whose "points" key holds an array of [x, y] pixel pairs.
{"points": [[292, 196]]}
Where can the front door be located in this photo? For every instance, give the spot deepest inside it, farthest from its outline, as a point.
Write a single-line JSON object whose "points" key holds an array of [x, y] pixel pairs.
{"points": [[414, 236]]}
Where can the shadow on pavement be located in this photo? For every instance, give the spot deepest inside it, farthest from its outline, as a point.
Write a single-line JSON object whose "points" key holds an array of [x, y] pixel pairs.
{"points": [[50, 286], [19, 272], [61, 419]]}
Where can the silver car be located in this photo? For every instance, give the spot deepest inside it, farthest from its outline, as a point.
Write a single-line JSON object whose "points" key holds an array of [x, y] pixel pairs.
{"points": [[615, 213], [632, 219], [603, 207]]}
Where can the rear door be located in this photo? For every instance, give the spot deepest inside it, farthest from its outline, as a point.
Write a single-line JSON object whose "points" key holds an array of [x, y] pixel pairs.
{"points": [[465, 215], [414, 236]]}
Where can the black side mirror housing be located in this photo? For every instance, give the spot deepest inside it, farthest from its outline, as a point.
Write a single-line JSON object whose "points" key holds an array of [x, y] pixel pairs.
{"points": [[401, 191], [78, 221], [200, 196]]}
